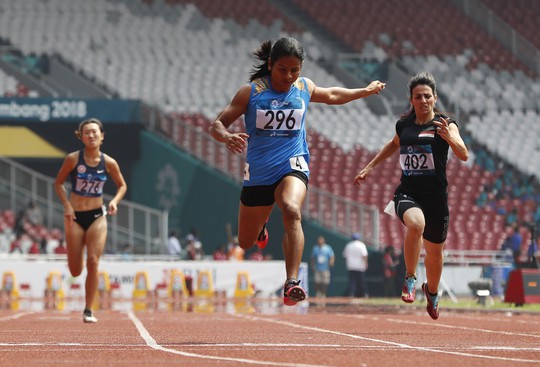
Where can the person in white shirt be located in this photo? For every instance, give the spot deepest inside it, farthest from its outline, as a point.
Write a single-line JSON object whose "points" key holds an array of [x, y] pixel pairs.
{"points": [[356, 258], [173, 244]]}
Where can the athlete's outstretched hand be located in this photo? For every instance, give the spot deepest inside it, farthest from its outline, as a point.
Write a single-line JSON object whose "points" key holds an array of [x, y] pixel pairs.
{"points": [[112, 209], [361, 176], [236, 142], [375, 87], [442, 128]]}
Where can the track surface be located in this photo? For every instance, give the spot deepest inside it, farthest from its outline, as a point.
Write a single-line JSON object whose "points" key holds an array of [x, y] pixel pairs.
{"points": [[268, 334]]}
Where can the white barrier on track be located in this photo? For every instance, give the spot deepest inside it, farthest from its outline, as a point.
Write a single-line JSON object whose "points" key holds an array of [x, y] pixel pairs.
{"points": [[267, 276]]}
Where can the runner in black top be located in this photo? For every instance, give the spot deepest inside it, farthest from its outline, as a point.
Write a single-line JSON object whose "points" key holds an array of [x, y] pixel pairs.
{"points": [[423, 137]]}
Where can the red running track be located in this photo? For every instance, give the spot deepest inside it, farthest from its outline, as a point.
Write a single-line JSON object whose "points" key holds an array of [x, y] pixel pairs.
{"points": [[270, 335]]}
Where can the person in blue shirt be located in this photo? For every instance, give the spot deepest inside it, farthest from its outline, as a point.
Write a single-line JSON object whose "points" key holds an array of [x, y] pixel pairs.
{"points": [[532, 249], [274, 104], [516, 240], [84, 211], [322, 261]]}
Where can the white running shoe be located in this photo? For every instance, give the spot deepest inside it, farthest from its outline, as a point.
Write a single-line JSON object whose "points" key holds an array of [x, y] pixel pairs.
{"points": [[88, 317]]}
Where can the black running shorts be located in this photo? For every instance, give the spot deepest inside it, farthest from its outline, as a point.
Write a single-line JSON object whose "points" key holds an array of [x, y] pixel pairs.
{"points": [[435, 209], [263, 195]]}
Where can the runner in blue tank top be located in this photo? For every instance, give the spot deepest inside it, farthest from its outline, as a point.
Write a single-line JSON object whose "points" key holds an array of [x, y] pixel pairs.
{"points": [[423, 138], [84, 212], [274, 105]]}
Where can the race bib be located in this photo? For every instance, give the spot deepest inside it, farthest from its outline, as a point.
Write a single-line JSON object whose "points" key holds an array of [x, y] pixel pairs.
{"points": [[246, 171], [299, 163], [89, 187], [417, 160], [280, 119]]}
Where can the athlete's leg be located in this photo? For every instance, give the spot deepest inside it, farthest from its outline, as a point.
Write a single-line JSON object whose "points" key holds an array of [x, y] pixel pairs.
{"points": [[250, 222], [415, 222], [434, 264], [290, 195], [74, 235], [96, 236]]}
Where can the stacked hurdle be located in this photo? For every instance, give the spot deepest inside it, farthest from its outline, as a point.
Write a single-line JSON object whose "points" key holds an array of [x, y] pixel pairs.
{"points": [[141, 292], [204, 292], [55, 297], [104, 291], [9, 294], [243, 293]]}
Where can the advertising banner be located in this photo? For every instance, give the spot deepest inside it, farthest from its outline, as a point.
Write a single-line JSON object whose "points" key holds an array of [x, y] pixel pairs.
{"points": [[40, 110]]}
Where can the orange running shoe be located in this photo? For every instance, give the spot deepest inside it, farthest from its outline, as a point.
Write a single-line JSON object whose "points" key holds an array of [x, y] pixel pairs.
{"points": [[262, 240], [292, 292], [432, 303]]}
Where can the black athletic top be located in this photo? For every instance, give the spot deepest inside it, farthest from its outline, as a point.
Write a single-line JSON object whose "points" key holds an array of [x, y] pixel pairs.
{"points": [[87, 180], [422, 156]]}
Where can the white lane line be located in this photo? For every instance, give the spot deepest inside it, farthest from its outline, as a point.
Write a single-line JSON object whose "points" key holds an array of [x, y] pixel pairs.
{"points": [[151, 342], [15, 316], [402, 345], [431, 324]]}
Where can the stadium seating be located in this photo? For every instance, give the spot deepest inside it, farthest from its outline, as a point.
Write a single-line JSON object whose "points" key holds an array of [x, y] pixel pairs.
{"points": [[30, 233], [522, 15]]}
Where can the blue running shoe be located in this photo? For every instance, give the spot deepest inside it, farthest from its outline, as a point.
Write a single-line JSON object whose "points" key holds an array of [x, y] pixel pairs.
{"points": [[432, 302], [408, 292]]}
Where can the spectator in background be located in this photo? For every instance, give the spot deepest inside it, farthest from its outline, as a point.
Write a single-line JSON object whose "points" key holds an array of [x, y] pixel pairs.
{"points": [[220, 253], [17, 244], [515, 242], [173, 244], [390, 263], [33, 214], [198, 253], [257, 255], [194, 248], [482, 198], [532, 261], [536, 217], [20, 220], [356, 259], [512, 217], [322, 261], [506, 246], [34, 248], [234, 251], [61, 248], [43, 244]]}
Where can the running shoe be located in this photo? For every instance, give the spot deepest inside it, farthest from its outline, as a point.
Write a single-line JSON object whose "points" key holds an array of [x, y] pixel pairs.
{"points": [[408, 292], [292, 292], [262, 240], [432, 302], [88, 317]]}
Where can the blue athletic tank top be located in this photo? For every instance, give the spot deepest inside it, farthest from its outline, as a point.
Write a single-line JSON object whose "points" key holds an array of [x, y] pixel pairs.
{"points": [[275, 123], [86, 180]]}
